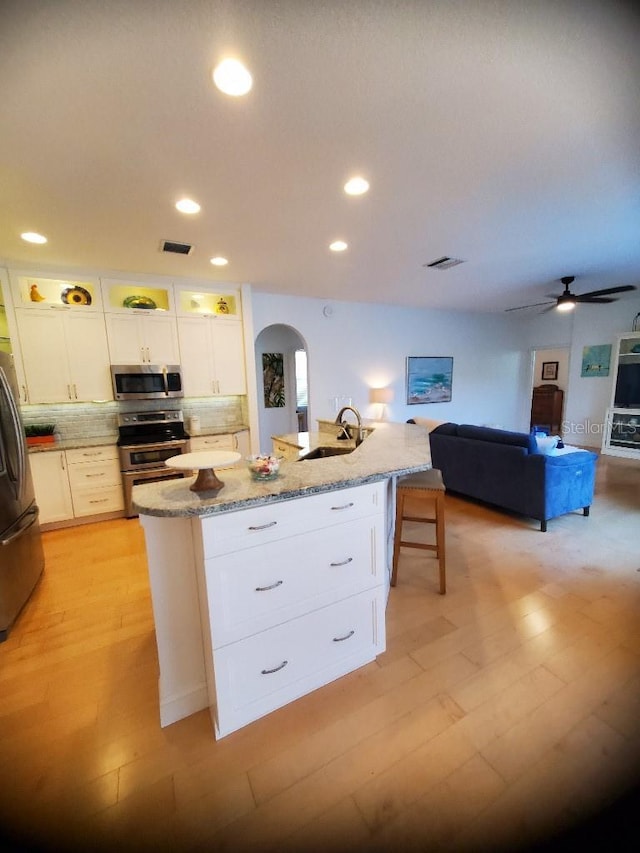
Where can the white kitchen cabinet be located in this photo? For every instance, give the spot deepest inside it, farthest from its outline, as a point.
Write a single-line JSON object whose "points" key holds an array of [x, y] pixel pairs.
{"points": [[51, 485], [276, 626], [287, 451], [95, 480], [212, 442], [212, 356], [141, 337], [243, 442], [64, 355], [238, 441], [301, 581], [76, 483]]}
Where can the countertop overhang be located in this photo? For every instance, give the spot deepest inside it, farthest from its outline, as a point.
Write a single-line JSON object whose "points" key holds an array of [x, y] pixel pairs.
{"points": [[391, 449]]}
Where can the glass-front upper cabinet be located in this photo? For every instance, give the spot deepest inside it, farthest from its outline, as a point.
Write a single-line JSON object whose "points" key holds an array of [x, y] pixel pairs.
{"points": [[42, 291], [217, 300], [122, 296]]}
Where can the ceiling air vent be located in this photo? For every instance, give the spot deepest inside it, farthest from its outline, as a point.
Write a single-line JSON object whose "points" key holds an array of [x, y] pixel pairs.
{"points": [[175, 248], [444, 263]]}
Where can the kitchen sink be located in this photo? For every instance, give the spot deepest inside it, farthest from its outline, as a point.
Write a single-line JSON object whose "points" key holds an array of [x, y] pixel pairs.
{"points": [[324, 451]]}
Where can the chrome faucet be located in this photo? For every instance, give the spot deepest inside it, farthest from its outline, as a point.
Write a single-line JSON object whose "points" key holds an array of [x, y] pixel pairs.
{"points": [[344, 426]]}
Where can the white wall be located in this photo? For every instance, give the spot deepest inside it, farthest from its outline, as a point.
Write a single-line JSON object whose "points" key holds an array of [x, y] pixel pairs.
{"points": [[586, 398], [361, 345]]}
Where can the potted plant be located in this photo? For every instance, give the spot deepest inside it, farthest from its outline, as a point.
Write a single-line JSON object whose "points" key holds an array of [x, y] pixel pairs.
{"points": [[40, 433]]}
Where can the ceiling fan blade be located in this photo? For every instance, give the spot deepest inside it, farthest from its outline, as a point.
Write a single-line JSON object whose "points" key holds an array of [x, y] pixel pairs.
{"points": [[593, 299], [625, 288], [522, 307]]}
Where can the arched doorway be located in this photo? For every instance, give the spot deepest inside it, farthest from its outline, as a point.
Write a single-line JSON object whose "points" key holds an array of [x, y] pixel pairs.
{"points": [[282, 383]]}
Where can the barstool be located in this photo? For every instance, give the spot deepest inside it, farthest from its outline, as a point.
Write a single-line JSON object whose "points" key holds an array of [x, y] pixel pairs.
{"points": [[418, 487]]}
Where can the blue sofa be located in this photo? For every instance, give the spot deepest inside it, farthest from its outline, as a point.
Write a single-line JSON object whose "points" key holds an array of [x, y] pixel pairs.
{"points": [[505, 469]]}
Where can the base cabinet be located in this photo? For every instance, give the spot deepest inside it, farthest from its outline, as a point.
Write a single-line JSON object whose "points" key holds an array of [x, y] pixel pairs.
{"points": [[95, 480], [277, 625], [290, 596], [76, 483], [238, 441], [51, 485]]}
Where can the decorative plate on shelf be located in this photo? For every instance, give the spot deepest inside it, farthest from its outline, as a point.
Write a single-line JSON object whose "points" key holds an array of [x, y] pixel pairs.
{"points": [[139, 302], [76, 296]]}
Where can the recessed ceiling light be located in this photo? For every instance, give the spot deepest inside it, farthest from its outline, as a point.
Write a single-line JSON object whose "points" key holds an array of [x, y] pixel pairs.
{"points": [[219, 261], [32, 237], [232, 78], [356, 186], [187, 205], [338, 246]]}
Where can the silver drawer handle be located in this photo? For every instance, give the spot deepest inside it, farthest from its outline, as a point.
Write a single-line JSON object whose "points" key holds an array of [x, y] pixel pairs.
{"points": [[343, 563], [346, 637], [100, 474], [264, 526], [344, 506], [265, 588], [277, 669]]}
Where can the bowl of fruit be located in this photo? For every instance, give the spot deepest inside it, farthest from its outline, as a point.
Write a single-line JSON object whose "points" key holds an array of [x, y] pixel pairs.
{"points": [[264, 467]]}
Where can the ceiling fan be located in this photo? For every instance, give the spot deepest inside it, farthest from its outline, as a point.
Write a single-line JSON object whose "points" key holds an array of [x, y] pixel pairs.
{"points": [[567, 300]]}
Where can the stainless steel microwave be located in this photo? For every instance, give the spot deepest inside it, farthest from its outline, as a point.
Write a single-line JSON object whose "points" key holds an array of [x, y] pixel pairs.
{"points": [[146, 381]]}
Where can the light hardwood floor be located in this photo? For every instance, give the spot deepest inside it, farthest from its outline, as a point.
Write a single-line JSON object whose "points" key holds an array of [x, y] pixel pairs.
{"points": [[501, 713]]}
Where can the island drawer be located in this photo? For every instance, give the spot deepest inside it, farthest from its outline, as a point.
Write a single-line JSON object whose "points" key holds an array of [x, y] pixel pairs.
{"points": [[255, 588], [270, 669], [227, 532]]}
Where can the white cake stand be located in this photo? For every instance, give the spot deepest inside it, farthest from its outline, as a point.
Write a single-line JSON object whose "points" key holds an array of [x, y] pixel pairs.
{"points": [[204, 461]]}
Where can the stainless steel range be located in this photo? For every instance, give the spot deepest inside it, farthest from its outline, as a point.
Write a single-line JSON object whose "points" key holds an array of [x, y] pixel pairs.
{"points": [[145, 440]]}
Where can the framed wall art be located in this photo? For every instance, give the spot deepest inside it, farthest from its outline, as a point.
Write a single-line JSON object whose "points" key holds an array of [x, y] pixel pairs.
{"points": [[596, 360], [549, 370], [429, 379], [273, 379]]}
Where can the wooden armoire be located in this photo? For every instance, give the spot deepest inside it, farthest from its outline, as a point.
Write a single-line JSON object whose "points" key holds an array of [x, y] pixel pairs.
{"points": [[546, 407]]}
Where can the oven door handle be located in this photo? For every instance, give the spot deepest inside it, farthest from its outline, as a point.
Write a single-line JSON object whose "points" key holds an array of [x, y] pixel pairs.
{"points": [[165, 379]]}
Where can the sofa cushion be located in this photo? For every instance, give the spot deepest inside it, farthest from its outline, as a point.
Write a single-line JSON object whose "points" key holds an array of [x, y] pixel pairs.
{"points": [[546, 444], [428, 423], [446, 429], [498, 436]]}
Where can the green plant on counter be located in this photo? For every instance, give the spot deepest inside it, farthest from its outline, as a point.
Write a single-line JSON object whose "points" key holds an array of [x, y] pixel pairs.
{"points": [[33, 430]]}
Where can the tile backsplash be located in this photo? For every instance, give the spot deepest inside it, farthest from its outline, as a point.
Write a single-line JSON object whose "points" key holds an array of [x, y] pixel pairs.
{"points": [[92, 420]]}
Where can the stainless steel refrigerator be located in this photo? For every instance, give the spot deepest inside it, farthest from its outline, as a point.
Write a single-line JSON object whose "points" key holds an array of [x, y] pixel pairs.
{"points": [[21, 554]]}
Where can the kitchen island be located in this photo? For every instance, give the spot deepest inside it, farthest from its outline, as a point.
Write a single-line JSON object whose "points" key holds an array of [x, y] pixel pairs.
{"points": [[266, 590]]}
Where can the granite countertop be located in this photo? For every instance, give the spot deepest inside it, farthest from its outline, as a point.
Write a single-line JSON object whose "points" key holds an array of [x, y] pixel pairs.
{"points": [[390, 449], [73, 443], [217, 430], [306, 441], [105, 440]]}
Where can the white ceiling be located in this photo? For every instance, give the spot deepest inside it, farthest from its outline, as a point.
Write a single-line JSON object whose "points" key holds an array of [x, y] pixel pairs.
{"points": [[503, 133]]}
